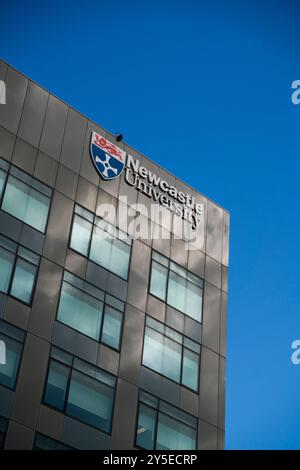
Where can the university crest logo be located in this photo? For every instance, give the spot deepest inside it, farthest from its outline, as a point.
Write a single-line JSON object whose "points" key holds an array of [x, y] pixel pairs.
{"points": [[108, 159]]}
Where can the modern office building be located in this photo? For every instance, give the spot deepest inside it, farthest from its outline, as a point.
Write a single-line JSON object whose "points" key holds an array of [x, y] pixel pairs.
{"points": [[107, 340]]}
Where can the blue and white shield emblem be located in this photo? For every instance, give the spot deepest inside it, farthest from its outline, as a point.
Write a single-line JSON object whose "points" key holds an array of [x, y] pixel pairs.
{"points": [[108, 159]]}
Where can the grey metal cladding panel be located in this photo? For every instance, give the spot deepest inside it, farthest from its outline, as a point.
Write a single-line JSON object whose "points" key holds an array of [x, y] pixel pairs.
{"points": [[223, 325], [10, 226], [33, 114], [221, 439], [132, 344], [225, 255], [108, 359], [96, 275], [58, 229], [32, 239], [86, 194], [209, 375], [221, 400], [76, 263], [138, 275], [19, 437], [75, 343], [124, 421], [24, 156], [196, 262], [179, 252], [66, 181], [54, 126], [17, 313], [224, 279], [10, 113], [189, 401], [45, 299], [81, 436], [192, 329], [46, 169], [3, 69], [207, 436], [156, 308], [211, 317], [50, 422], [73, 142], [87, 169], [213, 272], [7, 142], [6, 399], [31, 381], [175, 319], [214, 240], [116, 286]]}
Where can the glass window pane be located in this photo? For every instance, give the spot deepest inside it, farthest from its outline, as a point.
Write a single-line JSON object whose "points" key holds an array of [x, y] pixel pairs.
{"points": [[119, 261], [190, 369], [9, 370], [173, 435], [176, 291], [6, 267], [81, 234], [26, 204], [90, 401], [23, 281], [57, 383], [80, 311], [146, 427], [158, 280], [101, 248], [162, 354], [194, 301], [112, 327]]}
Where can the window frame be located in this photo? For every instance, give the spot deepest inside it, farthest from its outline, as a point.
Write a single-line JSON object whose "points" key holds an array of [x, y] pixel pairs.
{"points": [[8, 173], [157, 412], [18, 256], [183, 347], [105, 294], [22, 343], [167, 267], [71, 368], [94, 217]]}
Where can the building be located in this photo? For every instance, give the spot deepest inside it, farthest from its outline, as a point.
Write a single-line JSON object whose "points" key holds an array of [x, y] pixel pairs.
{"points": [[110, 341]]}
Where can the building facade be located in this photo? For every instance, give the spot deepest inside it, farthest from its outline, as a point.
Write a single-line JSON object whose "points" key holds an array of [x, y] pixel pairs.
{"points": [[109, 340]]}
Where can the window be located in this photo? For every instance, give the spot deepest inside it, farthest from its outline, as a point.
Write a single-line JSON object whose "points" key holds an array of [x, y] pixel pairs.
{"points": [[24, 197], [13, 339], [171, 354], [80, 390], [47, 443], [176, 286], [18, 270], [3, 429], [101, 242], [90, 311], [163, 427]]}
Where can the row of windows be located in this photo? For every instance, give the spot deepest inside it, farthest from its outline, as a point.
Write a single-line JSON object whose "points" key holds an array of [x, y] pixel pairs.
{"points": [[28, 200], [171, 354], [18, 270], [23, 197], [90, 311], [86, 393]]}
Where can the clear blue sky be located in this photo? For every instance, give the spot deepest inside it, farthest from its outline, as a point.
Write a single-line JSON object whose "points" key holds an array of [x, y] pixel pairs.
{"points": [[203, 88]]}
